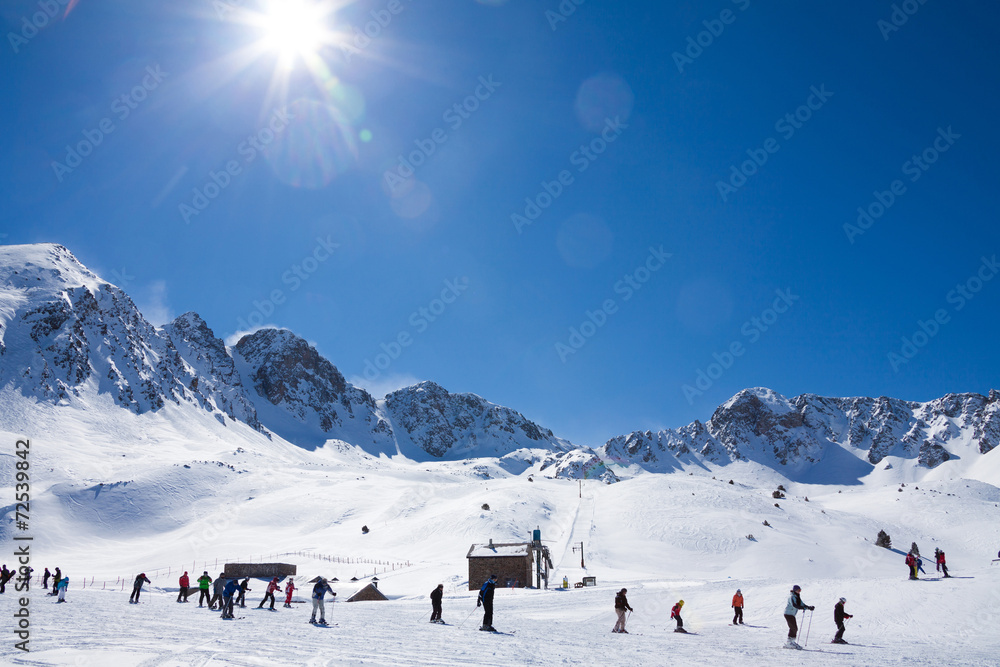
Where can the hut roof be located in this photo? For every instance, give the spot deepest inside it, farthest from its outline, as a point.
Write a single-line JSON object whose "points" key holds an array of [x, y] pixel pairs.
{"points": [[368, 593], [498, 550]]}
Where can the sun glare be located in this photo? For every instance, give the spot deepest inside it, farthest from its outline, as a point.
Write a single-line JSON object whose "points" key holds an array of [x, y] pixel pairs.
{"points": [[293, 27]]}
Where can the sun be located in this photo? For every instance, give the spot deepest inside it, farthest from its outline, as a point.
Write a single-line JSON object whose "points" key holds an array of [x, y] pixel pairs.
{"points": [[293, 28]]}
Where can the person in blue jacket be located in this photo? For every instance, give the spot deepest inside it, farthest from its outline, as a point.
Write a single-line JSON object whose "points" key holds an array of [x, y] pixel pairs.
{"points": [[321, 588], [61, 587], [228, 591], [486, 602], [791, 609]]}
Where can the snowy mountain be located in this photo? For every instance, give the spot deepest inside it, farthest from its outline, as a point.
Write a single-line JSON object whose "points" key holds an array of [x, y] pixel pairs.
{"points": [[65, 333], [813, 438]]}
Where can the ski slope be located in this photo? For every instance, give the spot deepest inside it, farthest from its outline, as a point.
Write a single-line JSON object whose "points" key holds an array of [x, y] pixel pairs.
{"points": [[115, 494]]}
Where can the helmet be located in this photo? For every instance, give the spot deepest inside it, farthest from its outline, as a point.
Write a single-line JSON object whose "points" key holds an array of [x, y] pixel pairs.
{"points": [[737, 590], [680, 603], [796, 588], [493, 576], [624, 590], [843, 600]]}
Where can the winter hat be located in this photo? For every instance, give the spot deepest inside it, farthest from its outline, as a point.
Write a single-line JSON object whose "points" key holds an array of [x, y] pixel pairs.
{"points": [[737, 590], [624, 590], [796, 588], [680, 603]]}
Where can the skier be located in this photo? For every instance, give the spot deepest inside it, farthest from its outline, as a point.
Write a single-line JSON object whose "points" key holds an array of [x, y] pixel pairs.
{"points": [[5, 576], [939, 557], [920, 565], [838, 617], [203, 581], [217, 587], [137, 588], [272, 586], [55, 581], [621, 606], [45, 579], [62, 586], [676, 614], [320, 589], [185, 583], [791, 609], [486, 602], [244, 589], [738, 608], [911, 563], [230, 589], [288, 593], [436, 595]]}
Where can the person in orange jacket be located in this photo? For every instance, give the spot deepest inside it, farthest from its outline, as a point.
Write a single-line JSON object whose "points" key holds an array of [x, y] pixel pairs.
{"points": [[738, 608], [289, 588]]}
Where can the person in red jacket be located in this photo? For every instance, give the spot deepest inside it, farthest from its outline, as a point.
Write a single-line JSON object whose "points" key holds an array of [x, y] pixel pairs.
{"points": [[911, 562], [185, 582], [939, 559], [675, 613], [272, 586], [289, 587], [738, 608]]}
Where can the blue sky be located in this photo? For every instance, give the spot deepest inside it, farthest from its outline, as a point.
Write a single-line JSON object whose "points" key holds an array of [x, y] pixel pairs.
{"points": [[691, 198]]}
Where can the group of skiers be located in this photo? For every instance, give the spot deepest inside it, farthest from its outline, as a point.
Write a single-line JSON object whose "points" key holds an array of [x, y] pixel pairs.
{"points": [[915, 564], [224, 594], [795, 605]]}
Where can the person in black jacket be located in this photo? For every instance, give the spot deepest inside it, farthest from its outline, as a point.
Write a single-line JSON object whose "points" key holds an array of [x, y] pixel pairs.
{"points": [[436, 595], [241, 599], [486, 602], [137, 588], [621, 606], [838, 617]]}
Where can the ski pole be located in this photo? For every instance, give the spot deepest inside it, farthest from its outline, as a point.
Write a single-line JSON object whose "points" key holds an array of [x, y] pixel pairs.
{"points": [[469, 616], [808, 628]]}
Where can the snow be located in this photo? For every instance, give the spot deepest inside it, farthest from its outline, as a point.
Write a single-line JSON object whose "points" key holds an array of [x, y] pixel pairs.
{"points": [[497, 550], [111, 497]]}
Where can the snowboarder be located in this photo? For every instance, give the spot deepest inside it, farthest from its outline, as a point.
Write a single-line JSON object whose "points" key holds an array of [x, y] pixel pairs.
{"points": [[272, 586], [203, 582], [941, 566], [621, 606], [485, 601], [738, 608], [838, 617], [62, 586], [244, 589], [436, 596], [791, 609], [55, 581], [185, 583], [321, 588], [288, 593], [228, 591], [137, 588], [45, 579], [911, 563], [675, 613]]}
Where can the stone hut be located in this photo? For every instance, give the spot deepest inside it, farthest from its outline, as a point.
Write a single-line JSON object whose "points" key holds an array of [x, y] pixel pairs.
{"points": [[513, 563]]}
